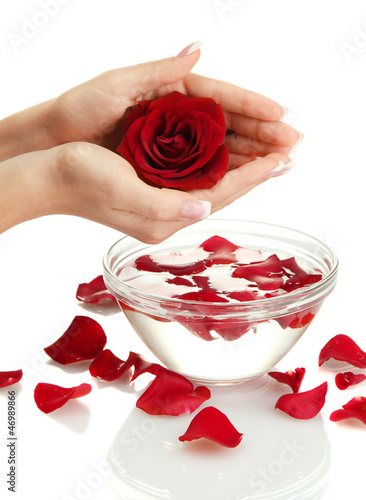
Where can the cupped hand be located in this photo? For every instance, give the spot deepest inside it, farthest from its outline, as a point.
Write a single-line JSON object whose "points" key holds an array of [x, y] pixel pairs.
{"points": [[93, 111], [92, 182]]}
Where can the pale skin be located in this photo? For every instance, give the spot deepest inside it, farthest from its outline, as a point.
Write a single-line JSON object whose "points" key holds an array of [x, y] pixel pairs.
{"points": [[58, 157]]}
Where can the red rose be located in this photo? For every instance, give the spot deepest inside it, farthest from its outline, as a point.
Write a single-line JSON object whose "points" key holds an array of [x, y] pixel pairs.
{"points": [[176, 141]]}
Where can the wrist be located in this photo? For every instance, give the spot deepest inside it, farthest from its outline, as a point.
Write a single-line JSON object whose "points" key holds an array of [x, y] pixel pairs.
{"points": [[27, 190], [27, 131]]}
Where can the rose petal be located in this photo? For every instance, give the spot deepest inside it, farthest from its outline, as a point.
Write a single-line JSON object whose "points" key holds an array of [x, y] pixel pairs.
{"points": [[267, 274], [171, 394], [303, 405], [49, 397], [343, 348], [106, 366], [346, 379], [297, 276], [84, 339], [221, 250], [300, 319], [355, 408], [211, 423], [10, 378], [141, 365], [94, 292], [147, 263], [291, 378]]}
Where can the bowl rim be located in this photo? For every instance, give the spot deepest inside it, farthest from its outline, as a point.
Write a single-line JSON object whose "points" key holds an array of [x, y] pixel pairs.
{"points": [[284, 299]]}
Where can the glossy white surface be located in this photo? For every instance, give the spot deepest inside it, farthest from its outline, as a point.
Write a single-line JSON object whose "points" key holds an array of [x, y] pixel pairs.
{"points": [[295, 52]]}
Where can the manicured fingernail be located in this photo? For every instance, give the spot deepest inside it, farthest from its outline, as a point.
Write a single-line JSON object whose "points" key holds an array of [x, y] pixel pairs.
{"points": [[196, 209], [285, 112], [281, 168], [190, 49], [300, 140]]}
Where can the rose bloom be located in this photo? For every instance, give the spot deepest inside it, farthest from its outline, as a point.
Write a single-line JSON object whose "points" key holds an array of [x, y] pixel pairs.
{"points": [[176, 141]]}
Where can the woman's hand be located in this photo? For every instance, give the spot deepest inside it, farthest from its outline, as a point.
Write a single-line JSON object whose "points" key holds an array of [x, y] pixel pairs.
{"points": [[89, 181], [93, 111], [61, 159]]}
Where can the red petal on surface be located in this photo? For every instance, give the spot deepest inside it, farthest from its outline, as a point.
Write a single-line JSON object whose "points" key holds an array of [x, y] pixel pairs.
{"points": [[356, 408], [94, 292], [267, 274], [218, 245], [84, 339], [147, 263], [303, 405], [178, 280], [211, 423], [141, 365], [221, 250], [106, 366], [297, 276], [343, 348], [49, 397], [171, 394], [291, 378], [10, 378], [346, 379]]}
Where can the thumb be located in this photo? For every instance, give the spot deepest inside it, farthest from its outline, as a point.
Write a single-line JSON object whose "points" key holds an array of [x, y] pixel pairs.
{"points": [[151, 76]]}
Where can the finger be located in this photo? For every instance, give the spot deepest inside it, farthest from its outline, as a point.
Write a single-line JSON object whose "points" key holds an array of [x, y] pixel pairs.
{"points": [[143, 78], [160, 204], [239, 181], [233, 98], [275, 132], [252, 147], [236, 160]]}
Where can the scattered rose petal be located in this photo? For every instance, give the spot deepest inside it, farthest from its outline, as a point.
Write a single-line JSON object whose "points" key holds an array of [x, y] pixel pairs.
{"points": [[10, 378], [346, 379], [343, 348], [147, 263], [303, 405], [211, 423], [171, 394], [267, 274], [291, 378], [356, 408], [221, 250], [106, 366], [140, 365], [49, 397], [94, 292], [84, 339], [178, 280], [297, 276]]}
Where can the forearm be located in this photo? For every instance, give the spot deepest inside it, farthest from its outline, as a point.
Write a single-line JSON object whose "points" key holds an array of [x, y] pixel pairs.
{"points": [[27, 188], [27, 131]]}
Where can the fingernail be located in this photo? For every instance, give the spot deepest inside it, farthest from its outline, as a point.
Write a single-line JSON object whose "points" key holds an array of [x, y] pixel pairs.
{"points": [[190, 49], [196, 209], [285, 112], [300, 140], [281, 168]]}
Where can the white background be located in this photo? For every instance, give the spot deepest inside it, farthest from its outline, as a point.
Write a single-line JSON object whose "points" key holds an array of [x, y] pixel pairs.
{"points": [[308, 55]]}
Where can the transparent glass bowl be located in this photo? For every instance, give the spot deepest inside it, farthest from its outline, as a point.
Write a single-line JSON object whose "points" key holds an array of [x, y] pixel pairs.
{"points": [[220, 342]]}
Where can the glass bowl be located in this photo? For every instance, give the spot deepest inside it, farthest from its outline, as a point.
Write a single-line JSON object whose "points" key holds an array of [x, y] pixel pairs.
{"points": [[222, 342]]}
